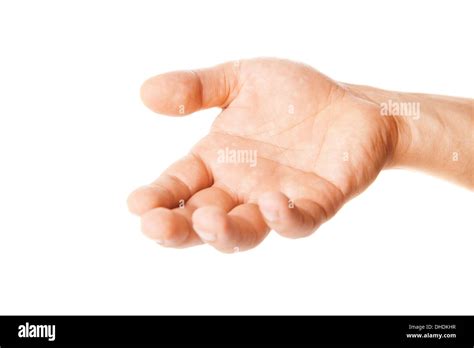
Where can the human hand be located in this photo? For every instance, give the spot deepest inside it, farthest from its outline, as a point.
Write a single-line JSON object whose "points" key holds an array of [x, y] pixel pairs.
{"points": [[289, 148]]}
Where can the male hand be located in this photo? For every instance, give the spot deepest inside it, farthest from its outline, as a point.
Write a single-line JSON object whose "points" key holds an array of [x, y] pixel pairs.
{"points": [[289, 148]]}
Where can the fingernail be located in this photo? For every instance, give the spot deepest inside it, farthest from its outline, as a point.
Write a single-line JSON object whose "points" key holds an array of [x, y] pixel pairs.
{"points": [[270, 214], [206, 235]]}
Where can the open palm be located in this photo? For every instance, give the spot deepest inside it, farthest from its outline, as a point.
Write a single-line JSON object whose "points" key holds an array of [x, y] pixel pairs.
{"points": [[290, 147]]}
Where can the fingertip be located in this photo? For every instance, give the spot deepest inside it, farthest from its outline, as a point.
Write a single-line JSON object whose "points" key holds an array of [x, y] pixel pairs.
{"points": [[141, 200], [164, 226], [287, 218], [148, 197], [209, 221], [175, 93], [272, 205], [154, 221], [238, 230]]}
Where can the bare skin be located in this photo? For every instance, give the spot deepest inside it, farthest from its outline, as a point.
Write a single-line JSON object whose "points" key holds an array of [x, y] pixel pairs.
{"points": [[317, 142]]}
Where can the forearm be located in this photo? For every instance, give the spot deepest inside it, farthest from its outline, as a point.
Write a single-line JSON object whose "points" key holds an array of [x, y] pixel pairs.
{"points": [[435, 133]]}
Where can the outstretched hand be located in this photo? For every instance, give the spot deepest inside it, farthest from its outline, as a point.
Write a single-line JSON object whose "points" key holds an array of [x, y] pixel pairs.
{"points": [[289, 148]]}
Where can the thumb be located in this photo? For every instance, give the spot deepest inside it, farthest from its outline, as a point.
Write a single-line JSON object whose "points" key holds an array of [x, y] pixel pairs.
{"points": [[183, 92]]}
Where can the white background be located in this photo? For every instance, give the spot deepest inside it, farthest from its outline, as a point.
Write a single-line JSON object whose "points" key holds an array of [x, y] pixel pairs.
{"points": [[75, 140]]}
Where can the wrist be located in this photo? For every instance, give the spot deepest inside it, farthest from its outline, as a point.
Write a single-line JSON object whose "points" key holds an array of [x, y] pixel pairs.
{"points": [[397, 127], [432, 133]]}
